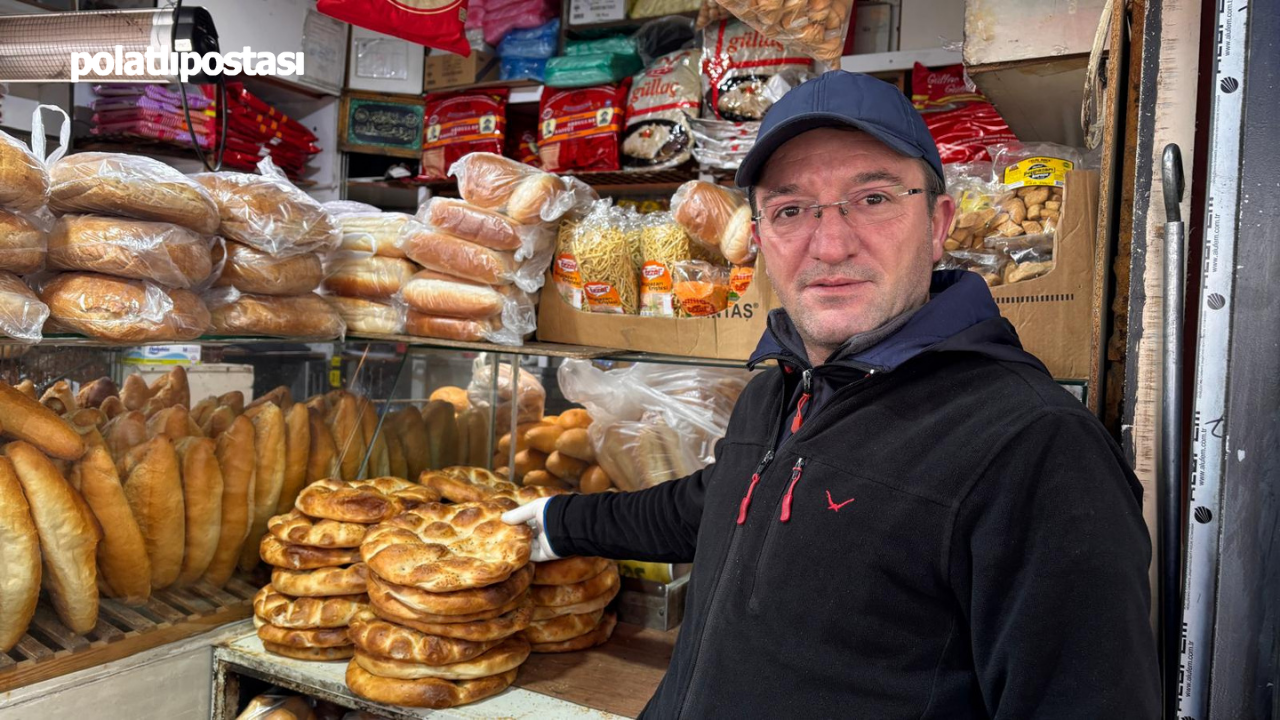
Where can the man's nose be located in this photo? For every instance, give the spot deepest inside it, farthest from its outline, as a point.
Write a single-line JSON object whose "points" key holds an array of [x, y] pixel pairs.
{"points": [[834, 239]]}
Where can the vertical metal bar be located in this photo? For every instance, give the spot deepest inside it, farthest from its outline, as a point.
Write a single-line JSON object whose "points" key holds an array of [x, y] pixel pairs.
{"points": [[494, 364], [514, 404]]}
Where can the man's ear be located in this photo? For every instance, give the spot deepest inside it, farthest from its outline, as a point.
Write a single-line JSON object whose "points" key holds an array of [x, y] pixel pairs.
{"points": [[944, 211]]}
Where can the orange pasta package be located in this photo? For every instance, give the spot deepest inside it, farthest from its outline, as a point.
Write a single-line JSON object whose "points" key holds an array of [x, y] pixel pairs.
{"points": [[701, 289]]}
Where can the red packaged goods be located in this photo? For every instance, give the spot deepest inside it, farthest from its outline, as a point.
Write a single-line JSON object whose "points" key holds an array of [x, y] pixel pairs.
{"points": [[960, 119], [434, 23], [737, 62], [581, 127], [461, 123]]}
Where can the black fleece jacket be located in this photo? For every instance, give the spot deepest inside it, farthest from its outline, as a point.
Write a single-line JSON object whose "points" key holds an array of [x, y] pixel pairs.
{"points": [[945, 534]]}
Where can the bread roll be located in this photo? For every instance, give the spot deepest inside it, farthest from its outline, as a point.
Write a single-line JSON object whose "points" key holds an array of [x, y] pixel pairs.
{"points": [[531, 195], [438, 294], [374, 278], [87, 418], [153, 487], [414, 438], [110, 308], [166, 253], [432, 326], [480, 226], [367, 316], [564, 467], [442, 433], [716, 216], [455, 396], [202, 492], [59, 398], [135, 392], [269, 440], [93, 394], [132, 186], [124, 568], [201, 411], [172, 388], [307, 316], [20, 569], [454, 256], [474, 424], [25, 419], [68, 537], [233, 400], [594, 480], [486, 180], [543, 438], [345, 423], [24, 183], [252, 271], [218, 422], [270, 214], [574, 418], [322, 460], [22, 244], [297, 450], [575, 443], [237, 461], [375, 232], [124, 432]]}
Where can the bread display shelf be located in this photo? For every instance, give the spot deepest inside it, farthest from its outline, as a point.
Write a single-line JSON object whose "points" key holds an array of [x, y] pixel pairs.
{"points": [[50, 650]]}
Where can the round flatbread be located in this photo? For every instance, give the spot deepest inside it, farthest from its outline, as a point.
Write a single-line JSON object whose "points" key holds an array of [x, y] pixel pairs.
{"points": [[382, 639], [442, 548], [295, 528], [323, 654], [307, 613], [559, 595], [567, 571], [506, 655], [321, 582], [461, 484], [497, 628], [596, 603], [597, 636], [472, 601], [304, 557], [389, 607], [362, 501], [320, 638], [427, 692], [565, 627]]}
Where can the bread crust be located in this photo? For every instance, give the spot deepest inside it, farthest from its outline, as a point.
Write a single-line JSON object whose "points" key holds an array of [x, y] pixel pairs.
{"points": [[299, 529], [567, 571], [153, 486], [460, 603], [236, 453], [169, 254], [20, 564], [427, 692], [202, 498], [307, 613], [123, 310], [502, 657], [597, 636], [26, 419], [321, 582], [363, 501], [124, 568], [251, 271], [129, 185], [383, 639], [304, 557], [564, 627]]}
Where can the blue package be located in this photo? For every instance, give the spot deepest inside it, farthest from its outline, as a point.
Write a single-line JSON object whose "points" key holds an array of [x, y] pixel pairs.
{"points": [[534, 43], [516, 68]]}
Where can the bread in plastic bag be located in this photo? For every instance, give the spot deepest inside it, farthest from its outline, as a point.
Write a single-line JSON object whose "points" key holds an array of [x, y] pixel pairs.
{"points": [[531, 396], [1017, 165], [483, 227], [251, 271], [122, 310], [24, 182], [369, 230], [266, 212], [307, 316], [451, 255], [523, 193], [366, 276], [716, 216], [130, 186], [987, 264], [368, 316], [446, 328], [23, 241], [508, 311], [816, 28], [165, 253], [662, 97], [277, 706], [22, 314]]}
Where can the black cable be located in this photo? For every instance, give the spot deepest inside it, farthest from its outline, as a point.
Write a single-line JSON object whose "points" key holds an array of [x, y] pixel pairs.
{"points": [[220, 107]]}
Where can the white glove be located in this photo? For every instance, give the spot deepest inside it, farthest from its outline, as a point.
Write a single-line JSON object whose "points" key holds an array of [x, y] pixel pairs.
{"points": [[534, 515]]}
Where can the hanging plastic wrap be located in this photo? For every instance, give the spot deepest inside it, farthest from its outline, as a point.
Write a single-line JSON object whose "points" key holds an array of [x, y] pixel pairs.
{"points": [[22, 314], [531, 397]]}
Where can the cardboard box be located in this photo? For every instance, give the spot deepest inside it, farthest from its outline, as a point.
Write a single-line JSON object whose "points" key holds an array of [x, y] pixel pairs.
{"points": [[446, 70], [1052, 313]]}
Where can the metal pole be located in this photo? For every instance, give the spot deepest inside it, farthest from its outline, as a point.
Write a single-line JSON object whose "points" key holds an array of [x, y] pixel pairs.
{"points": [[1170, 478]]}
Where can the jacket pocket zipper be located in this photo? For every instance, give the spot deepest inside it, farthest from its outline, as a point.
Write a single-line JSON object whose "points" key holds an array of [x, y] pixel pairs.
{"points": [[784, 502]]}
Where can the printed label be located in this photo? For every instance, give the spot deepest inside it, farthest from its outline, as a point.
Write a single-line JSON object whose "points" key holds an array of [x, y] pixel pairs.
{"points": [[602, 297], [1038, 171]]}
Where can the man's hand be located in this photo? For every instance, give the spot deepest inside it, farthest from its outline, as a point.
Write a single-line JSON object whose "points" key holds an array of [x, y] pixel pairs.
{"points": [[533, 515]]}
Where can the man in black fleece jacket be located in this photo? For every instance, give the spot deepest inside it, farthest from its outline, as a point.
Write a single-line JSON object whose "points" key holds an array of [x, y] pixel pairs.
{"points": [[907, 518]]}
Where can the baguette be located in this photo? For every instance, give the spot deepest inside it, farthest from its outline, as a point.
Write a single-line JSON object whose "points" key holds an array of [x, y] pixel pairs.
{"points": [[173, 422], [25, 419], [202, 492], [153, 487], [377, 443], [59, 398], [233, 400], [416, 441], [442, 433], [172, 388], [218, 422], [26, 387], [476, 423], [344, 423], [280, 396], [322, 460], [396, 462], [68, 537], [123, 432], [268, 439], [454, 395], [237, 461], [93, 394], [135, 392], [297, 450], [124, 570], [20, 564], [112, 407], [202, 410]]}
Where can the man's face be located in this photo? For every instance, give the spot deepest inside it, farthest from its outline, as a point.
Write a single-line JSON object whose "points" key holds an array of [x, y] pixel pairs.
{"points": [[846, 274]]}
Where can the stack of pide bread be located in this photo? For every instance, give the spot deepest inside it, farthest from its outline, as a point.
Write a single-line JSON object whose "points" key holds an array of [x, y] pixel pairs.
{"points": [[24, 192], [272, 263], [317, 579], [133, 245]]}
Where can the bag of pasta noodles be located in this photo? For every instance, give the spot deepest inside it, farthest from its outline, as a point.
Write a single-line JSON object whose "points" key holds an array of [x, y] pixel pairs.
{"points": [[564, 267], [664, 245], [603, 255]]}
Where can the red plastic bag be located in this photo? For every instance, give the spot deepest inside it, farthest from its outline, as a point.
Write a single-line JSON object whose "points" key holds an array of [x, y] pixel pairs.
{"points": [[434, 23], [460, 123], [580, 128], [961, 121]]}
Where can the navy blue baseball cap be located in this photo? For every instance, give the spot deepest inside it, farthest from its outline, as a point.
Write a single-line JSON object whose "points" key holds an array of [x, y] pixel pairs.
{"points": [[843, 100]]}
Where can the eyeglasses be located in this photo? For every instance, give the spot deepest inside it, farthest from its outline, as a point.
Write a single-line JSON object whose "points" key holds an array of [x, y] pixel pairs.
{"points": [[790, 218]]}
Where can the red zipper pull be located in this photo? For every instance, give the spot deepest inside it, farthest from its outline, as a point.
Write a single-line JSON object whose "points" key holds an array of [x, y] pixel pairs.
{"points": [[786, 500], [755, 480], [806, 383]]}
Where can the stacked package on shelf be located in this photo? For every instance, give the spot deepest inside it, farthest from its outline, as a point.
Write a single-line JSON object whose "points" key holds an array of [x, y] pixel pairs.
{"points": [[276, 235], [364, 277], [134, 242], [24, 221], [525, 52], [153, 112], [256, 129], [500, 17]]}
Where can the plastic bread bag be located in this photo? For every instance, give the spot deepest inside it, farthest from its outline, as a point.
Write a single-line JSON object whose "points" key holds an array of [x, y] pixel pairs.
{"points": [[444, 253], [483, 227], [1027, 263], [989, 265], [130, 186], [251, 271], [372, 231], [118, 309], [361, 275], [234, 313], [267, 212], [531, 397], [277, 706], [716, 216], [603, 252], [737, 62], [24, 181], [523, 193], [662, 97], [1017, 165], [701, 289], [22, 315], [24, 240], [368, 316], [165, 253]]}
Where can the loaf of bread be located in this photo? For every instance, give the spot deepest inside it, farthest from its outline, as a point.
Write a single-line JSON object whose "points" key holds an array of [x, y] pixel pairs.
{"points": [[172, 388], [442, 434], [378, 233], [92, 394], [297, 448], [322, 460], [480, 226], [125, 431], [372, 277], [270, 214], [124, 568], [433, 326], [536, 197], [414, 436], [284, 316], [24, 183], [377, 466], [135, 392], [169, 254], [237, 461], [68, 537], [716, 216], [110, 308], [153, 487], [454, 256], [22, 244], [473, 431], [270, 455], [130, 186], [251, 271], [20, 571], [22, 314], [26, 419], [434, 293], [486, 180], [202, 499], [367, 316], [348, 434], [455, 396]]}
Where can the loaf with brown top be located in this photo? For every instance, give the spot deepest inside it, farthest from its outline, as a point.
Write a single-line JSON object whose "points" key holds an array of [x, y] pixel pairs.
{"points": [[202, 488], [20, 571], [110, 308], [169, 254], [153, 487], [237, 460], [22, 244], [253, 271], [132, 186], [25, 419], [123, 565]]}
